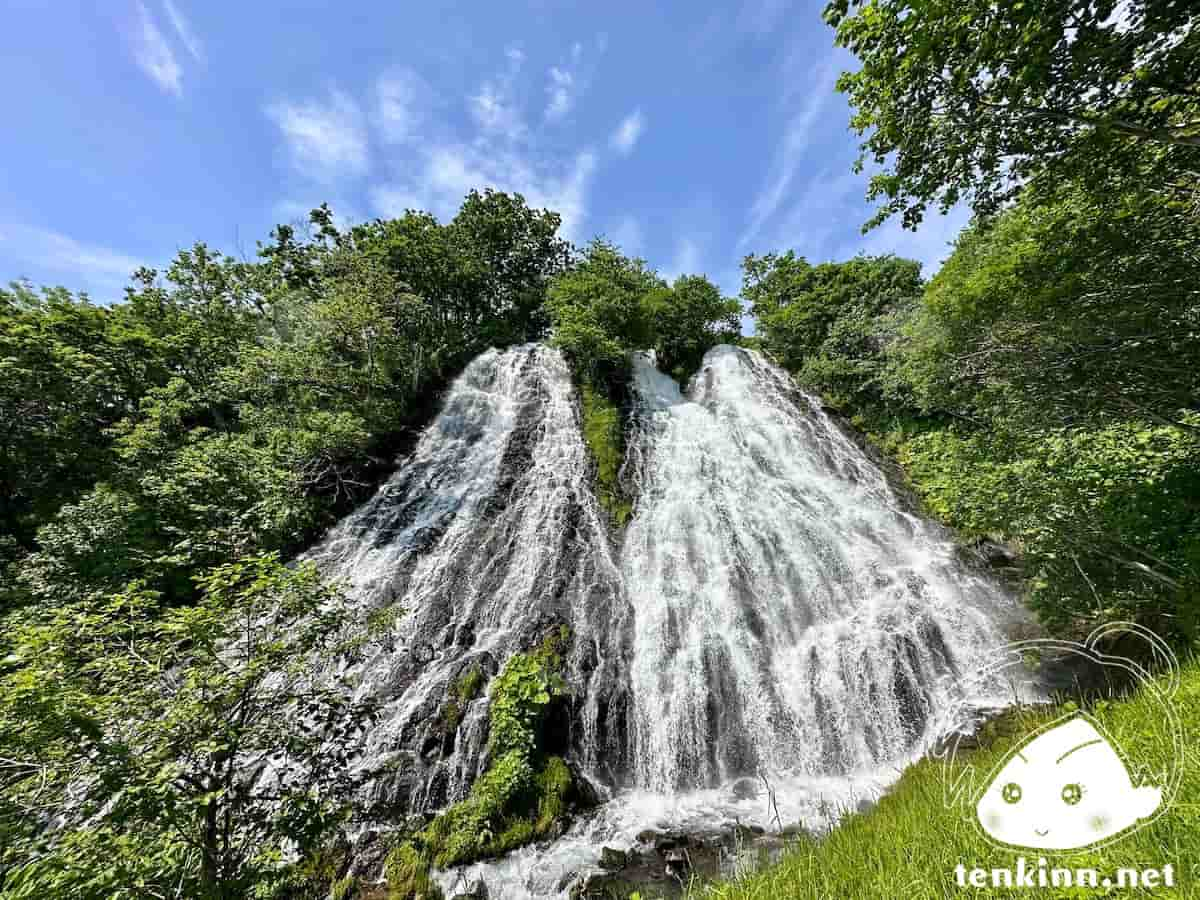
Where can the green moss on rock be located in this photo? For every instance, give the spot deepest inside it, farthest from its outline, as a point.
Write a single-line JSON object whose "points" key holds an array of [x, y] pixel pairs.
{"points": [[465, 689], [602, 432], [524, 792], [344, 889], [407, 872]]}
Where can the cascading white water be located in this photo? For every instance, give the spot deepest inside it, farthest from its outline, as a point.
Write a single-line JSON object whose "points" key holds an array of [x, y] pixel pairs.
{"points": [[773, 608], [791, 617], [486, 536]]}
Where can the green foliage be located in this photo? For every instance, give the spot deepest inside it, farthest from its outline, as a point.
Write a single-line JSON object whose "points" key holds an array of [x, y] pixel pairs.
{"points": [[553, 785], [521, 693], [344, 889], [1108, 519], [688, 319], [977, 99], [912, 838], [603, 432], [197, 733], [606, 307], [1084, 311], [523, 793], [407, 874], [599, 312], [465, 689], [831, 323], [469, 684]]}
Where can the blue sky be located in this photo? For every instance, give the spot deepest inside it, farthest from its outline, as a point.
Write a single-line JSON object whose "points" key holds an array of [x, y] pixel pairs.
{"points": [[689, 134]]}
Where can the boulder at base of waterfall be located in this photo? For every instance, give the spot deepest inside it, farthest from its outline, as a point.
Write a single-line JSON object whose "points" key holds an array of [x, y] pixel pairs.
{"points": [[612, 859], [745, 789]]}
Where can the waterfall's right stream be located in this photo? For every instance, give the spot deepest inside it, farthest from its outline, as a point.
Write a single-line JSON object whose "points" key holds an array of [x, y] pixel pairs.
{"points": [[793, 622]]}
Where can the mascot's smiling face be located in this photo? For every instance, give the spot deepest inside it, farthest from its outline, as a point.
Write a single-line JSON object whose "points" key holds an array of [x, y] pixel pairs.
{"points": [[1066, 788]]}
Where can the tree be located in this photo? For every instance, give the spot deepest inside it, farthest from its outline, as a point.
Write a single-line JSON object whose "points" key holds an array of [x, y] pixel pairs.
{"points": [[69, 370], [484, 274], [832, 322], [1081, 312], [599, 312], [511, 253], [688, 319], [206, 737], [977, 99]]}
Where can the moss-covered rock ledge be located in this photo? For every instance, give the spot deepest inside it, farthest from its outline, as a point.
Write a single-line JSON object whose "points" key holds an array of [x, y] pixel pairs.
{"points": [[522, 796], [603, 432]]}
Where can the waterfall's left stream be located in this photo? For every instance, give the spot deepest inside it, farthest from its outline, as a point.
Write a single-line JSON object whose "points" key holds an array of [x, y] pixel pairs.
{"points": [[486, 536]]}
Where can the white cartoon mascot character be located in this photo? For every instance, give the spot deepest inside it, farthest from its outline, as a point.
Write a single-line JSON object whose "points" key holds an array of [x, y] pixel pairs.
{"points": [[1063, 789]]}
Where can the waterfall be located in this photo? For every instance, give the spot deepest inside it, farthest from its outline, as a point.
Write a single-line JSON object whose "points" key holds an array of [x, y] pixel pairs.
{"points": [[791, 616], [773, 609], [486, 536]]}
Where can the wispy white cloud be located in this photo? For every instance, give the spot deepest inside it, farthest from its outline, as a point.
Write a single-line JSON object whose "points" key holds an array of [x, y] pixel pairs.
{"points": [[50, 254], [626, 136], [495, 112], [815, 226], [184, 30], [627, 234], [565, 83], [326, 139], [930, 244], [495, 106], [402, 101], [498, 151], [560, 89], [686, 260], [154, 55], [450, 171], [789, 155]]}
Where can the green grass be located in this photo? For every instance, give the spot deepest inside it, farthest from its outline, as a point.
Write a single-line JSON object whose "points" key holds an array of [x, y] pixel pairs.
{"points": [[908, 845], [602, 434]]}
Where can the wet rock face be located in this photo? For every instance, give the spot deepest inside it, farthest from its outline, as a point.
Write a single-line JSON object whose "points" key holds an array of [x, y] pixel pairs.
{"points": [[996, 554], [483, 539]]}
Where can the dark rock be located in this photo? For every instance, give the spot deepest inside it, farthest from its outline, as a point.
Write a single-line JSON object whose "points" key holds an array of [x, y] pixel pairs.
{"points": [[565, 882], [601, 886], [744, 834], [745, 789], [612, 859], [465, 635], [367, 855], [995, 554], [432, 748], [792, 831], [678, 863], [584, 793], [665, 843], [649, 836]]}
